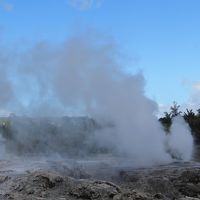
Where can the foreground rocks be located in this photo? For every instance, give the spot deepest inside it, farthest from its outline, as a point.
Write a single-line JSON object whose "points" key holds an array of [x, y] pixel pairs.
{"points": [[181, 182]]}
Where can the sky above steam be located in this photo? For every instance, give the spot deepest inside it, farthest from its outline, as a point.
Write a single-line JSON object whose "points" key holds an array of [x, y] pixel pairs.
{"points": [[160, 38]]}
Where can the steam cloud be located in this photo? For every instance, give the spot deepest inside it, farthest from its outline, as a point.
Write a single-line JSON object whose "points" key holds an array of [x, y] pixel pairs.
{"points": [[5, 85], [83, 76]]}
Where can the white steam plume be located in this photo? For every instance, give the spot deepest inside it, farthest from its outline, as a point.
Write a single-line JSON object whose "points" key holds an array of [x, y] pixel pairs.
{"points": [[6, 89], [180, 141], [83, 75]]}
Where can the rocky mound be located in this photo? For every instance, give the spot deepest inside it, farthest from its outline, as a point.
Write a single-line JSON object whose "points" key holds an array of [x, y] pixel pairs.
{"points": [[179, 182]]}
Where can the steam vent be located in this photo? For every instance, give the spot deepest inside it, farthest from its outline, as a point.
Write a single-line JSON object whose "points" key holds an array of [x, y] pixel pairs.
{"points": [[99, 100]]}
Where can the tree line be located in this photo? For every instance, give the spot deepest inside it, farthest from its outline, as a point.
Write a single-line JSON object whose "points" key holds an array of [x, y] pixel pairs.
{"points": [[191, 118]]}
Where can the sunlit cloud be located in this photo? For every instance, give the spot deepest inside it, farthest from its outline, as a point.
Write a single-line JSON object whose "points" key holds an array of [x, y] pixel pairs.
{"points": [[196, 85], [193, 101]]}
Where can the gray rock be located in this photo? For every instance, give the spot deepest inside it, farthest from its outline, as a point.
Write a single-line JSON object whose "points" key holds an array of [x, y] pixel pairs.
{"points": [[164, 183]]}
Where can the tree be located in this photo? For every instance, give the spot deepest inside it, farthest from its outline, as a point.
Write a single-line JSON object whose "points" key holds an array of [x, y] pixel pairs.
{"points": [[198, 113], [189, 115], [175, 110], [166, 121]]}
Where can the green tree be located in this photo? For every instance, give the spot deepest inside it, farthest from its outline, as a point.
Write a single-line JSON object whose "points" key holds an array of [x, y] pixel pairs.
{"points": [[166, 121], [189, 115], [175, 110]]}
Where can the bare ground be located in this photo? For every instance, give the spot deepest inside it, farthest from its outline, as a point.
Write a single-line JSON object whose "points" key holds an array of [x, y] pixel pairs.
{"points": [[55, 180]]}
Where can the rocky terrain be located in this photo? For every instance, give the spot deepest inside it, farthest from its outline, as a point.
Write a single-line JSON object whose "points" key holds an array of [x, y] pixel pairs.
{"points": [[56, 180]]}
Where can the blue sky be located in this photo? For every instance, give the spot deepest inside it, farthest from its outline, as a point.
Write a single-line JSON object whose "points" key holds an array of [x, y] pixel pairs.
{"points": [[160, 37]]}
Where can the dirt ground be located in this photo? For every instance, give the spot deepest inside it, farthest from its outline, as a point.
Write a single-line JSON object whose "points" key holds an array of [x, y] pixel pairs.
{"points": [[52, 180]]}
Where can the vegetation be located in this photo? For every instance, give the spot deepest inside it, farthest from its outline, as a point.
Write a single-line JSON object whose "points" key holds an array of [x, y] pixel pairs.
{"points": [[87, 126], [191, 117], [5, 128]]}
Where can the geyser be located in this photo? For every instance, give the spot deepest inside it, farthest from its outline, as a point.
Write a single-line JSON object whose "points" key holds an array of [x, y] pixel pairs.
{"points": [[83, 76]]}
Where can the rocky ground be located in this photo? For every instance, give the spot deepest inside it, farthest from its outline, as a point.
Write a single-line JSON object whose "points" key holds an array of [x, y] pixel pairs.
{"points": [[176, 181]]}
